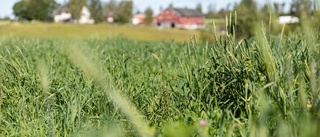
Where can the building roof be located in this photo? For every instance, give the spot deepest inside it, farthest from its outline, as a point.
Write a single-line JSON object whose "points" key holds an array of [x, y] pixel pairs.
{"points": [[187, 12], [61, 10]]}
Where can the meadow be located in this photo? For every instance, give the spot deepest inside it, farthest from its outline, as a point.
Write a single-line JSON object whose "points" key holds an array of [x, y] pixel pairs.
{"points": [[77, 31], [95, 86]]}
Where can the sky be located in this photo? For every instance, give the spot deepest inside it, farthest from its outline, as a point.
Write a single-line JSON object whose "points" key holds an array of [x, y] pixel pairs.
{"points": [[141, 5]]}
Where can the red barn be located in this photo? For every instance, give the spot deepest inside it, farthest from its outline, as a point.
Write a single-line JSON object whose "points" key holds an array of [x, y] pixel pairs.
{"points": [[180, 18]]}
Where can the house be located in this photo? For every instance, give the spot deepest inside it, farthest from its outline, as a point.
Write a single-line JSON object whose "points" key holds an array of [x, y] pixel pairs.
{"points": [[288, 19], [109, 16], [180, 18], [85, 16], [62, 14], [138, 19]]}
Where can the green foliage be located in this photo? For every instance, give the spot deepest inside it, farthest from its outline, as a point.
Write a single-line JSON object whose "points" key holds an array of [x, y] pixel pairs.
{"points": [[300, 7], [41, 9], [20, 10], [247, 18], [35, 9], [95, 8], [149, 16], [110, 6], [206, 35], [199, 8], [263, 86], [124, 11], [76, 6], [6, 18]]}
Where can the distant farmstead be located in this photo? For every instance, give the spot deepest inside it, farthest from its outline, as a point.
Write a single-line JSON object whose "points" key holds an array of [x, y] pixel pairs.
{"points": [[138, 19], [62, 14], [180, 18]]}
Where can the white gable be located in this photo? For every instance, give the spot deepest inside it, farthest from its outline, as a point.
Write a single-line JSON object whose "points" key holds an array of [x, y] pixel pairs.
{"points": [[85, 12], [85, 16]]}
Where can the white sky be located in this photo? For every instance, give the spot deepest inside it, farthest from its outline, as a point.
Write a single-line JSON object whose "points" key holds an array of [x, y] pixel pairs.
{"points": [[141, 5]]}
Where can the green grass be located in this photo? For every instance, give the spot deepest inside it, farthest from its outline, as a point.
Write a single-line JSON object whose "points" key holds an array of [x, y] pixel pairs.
{"points": [[71, 31], [210, 21], [263, 86], [218, 22]]}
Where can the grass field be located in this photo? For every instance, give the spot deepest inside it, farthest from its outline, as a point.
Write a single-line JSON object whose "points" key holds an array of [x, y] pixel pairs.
{"points": [[71, 31], [106, 86], [4, 22]]}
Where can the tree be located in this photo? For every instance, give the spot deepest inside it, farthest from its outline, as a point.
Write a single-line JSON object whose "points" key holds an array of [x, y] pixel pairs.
{"points": [[149, 16], [223, 13], [110, 6], [211, 11], [170, 5], [52, 7], [299, 7], [247, 18], [20, 10], [6, 18], [124, 11], [35, 9], [199, 8], [76, 6], [279, 7], [110, 9], [41, 9], [95, 8]]}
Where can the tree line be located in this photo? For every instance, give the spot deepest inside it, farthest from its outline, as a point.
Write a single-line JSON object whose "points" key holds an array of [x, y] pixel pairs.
{"points": [[248, 12], [43, 10], [249, 16]]}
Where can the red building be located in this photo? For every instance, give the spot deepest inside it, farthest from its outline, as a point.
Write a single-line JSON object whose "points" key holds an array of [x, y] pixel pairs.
{"points": [[180, 18]]}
